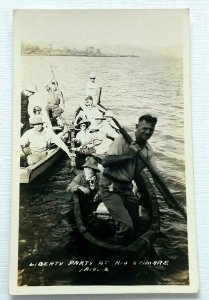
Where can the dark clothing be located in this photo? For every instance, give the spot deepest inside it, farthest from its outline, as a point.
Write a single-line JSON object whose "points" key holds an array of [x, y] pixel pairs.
{"points": [[116, 188], [86, 200], [24, 113], [123, 206], [57, 111], [24, 108]]}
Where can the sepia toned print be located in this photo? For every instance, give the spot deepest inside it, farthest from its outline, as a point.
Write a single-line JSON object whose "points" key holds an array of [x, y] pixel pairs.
{"points": [[102, 162]]}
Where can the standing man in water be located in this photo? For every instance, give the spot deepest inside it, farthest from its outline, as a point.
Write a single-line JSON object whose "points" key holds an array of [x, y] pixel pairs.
{"points": [[92, 88], [122, 165]]}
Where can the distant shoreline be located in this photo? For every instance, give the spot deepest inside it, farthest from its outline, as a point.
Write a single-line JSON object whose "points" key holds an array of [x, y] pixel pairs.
{"points": [[117, 55]]}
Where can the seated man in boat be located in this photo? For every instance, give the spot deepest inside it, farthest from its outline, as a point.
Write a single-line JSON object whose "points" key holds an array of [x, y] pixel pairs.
{"points": [[102, 135], [37, 110], [88, 111], [38, 99], [36, 142], [83, 135], [53, 96], [57, 119], [87, 184], [121, 166], [92, 88]]}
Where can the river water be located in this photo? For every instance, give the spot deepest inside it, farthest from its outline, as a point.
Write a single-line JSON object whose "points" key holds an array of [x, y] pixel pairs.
{"points": [[131, 86]]}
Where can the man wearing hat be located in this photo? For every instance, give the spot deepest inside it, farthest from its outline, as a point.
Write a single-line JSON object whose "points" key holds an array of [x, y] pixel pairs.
{"points": [[83, 135], [35, 142], [92, 88], [87, 185], [25, 94]]}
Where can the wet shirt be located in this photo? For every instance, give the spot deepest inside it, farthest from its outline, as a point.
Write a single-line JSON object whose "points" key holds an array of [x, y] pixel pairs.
{"points": [[127, 169], [37, 141]]}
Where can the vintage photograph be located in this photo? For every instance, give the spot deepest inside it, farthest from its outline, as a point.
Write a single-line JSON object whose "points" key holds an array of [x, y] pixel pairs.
{"points": [[102, 153]]}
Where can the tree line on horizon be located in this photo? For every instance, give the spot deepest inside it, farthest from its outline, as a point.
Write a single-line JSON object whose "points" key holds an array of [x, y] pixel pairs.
{"points": [[31, 49]]}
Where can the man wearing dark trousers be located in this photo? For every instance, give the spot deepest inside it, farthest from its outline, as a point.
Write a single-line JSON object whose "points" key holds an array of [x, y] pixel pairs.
{"points": [[122, 165]]}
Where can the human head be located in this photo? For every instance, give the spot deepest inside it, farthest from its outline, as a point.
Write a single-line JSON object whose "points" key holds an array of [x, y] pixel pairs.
{"points": [[37, 110], [83, 124], [90, 167], [37, 123], [54, 85], [145, 128], [89, 102], [92, 77]]}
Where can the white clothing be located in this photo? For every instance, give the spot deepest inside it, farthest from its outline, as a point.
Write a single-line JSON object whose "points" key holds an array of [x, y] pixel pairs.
{"points": [[37, 141], [100, 138], [89, 114], [105, 130], [92, 90], [83, 136]]}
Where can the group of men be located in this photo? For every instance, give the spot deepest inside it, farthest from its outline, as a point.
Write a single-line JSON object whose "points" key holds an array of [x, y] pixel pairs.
{"points": [[121, 164], [122, 167], [39, 112], [37, 134], [95, 130]]}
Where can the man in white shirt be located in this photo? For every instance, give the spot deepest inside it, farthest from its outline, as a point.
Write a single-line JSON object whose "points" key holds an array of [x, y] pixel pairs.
{"points": [[88, 111], [92, 88], [35, 142]]}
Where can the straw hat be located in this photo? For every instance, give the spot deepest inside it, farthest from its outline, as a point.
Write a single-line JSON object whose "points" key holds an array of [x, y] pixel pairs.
{"points": [[91, 163], [36, 120]]}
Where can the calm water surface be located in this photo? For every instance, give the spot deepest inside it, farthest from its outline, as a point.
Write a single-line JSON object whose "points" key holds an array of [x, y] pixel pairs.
{"points": [[131, 87]]}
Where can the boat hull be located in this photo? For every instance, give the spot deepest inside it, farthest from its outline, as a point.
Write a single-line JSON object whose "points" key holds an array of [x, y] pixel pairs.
{"points": [[30, 173]]}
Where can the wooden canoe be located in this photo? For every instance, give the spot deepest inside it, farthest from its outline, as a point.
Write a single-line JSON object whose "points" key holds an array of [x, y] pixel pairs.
{"points": [[29, 173]]}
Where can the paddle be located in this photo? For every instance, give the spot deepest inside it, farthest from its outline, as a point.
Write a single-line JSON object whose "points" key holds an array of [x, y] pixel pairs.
{"points": [[99, 97], [171, 201], [60, 93]]}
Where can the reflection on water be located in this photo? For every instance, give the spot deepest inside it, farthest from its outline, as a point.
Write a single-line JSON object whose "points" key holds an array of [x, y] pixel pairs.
{"points": [[131, 86]]}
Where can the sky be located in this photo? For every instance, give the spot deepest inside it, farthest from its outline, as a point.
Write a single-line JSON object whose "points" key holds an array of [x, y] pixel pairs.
{"points": [[81, 28]]}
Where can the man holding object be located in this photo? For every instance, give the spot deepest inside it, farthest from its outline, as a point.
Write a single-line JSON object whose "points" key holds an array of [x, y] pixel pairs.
{"points": [[122, 166]]}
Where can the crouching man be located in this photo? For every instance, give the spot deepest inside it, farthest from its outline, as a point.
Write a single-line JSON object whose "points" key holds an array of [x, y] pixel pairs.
{"points": [[87, 185]]}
